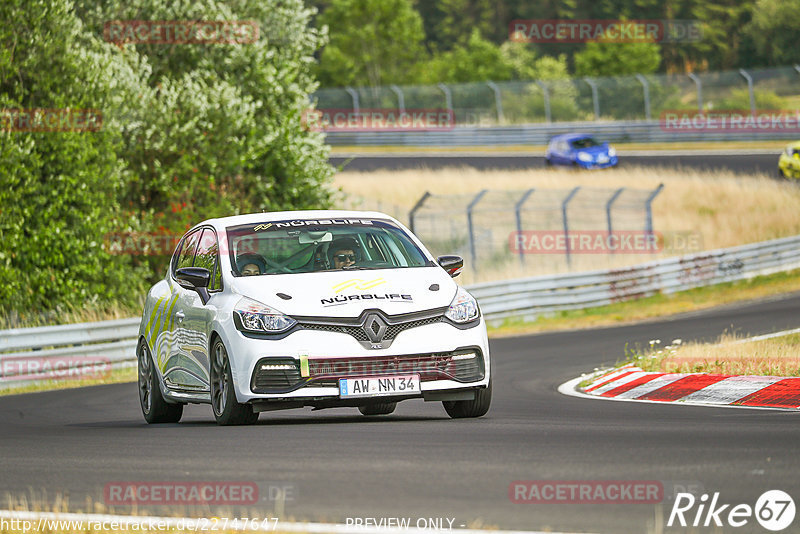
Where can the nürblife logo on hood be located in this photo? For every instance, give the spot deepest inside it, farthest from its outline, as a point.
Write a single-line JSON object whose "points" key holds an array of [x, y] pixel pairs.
{"points": [[358, 283]]}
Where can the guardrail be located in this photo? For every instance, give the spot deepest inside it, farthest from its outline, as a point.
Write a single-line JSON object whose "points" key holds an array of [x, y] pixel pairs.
{"points": [[115, 341], [530, 297], [640, 131], [66, 350]]}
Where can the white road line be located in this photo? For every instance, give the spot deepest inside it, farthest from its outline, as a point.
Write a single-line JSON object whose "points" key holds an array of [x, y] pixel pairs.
{"points": [[769, 336]]}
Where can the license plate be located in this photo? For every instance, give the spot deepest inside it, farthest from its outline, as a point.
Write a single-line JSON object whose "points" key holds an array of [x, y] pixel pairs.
{"points": [[378, 386]]}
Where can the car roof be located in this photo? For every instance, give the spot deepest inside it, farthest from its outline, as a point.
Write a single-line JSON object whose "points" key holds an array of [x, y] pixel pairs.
{"points": [[570, 136], [253, 218]]}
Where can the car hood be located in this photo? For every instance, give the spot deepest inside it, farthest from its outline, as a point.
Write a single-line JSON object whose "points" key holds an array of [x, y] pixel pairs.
{"points": [[348, 293], [594, 150]]}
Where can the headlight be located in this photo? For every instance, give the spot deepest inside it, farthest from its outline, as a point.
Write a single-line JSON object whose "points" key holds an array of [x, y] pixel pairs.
{"points": [[583, 156], [464, 307], [612, 152], [257, 317]]}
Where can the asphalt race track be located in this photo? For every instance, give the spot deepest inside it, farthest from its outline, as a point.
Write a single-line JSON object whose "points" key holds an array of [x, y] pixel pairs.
{"points": [[745, 164], [418, 463]]}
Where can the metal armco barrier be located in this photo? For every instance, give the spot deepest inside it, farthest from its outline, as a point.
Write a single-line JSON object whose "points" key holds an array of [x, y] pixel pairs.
{"points": [[63, 348], [641, 131], [530, 297], [525, 298]]}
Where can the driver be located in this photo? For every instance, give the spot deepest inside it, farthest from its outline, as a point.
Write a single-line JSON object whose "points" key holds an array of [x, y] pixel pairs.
{"points": [[250, 264], [344, 252]]}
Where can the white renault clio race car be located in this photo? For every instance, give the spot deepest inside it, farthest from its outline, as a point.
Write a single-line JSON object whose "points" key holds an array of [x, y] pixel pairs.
{"points": [[309, 308]]}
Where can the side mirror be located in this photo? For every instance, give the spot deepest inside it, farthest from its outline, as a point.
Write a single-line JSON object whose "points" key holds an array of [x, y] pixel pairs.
{"points": [[451, 264], [196, 278]]}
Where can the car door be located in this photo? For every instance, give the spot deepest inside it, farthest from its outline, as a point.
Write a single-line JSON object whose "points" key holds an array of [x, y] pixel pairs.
{"points": [[198, 317], [182, 370]]}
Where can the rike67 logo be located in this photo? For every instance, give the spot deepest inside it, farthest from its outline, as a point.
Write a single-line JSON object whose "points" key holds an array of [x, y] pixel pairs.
{"points": [[774, 510]]}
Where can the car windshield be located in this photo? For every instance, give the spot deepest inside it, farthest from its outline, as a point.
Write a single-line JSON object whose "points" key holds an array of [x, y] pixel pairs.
{"points": [[584, 142], [309, 245]]}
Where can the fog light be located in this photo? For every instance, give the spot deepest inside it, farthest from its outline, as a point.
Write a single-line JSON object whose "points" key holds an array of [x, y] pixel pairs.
{"points": [[277, 367]]}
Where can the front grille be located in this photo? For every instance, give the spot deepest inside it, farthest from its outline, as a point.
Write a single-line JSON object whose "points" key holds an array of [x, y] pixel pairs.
{"points": [[275, 378], [357, 331], [326, 372], [442, 366]]}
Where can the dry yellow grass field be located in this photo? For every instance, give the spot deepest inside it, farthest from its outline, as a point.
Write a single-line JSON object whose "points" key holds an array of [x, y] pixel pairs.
{"points": [[730, 355], [722, 208]]}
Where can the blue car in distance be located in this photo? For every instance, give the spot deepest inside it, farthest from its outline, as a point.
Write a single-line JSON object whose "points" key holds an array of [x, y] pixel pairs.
{"points": [[579, 150]]}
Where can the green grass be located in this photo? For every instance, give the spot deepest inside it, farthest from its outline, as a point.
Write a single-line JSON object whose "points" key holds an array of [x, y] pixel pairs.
{"points": [[117, 376], [653, 307]]}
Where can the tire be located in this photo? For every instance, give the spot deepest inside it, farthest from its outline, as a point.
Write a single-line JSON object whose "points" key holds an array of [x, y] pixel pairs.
{"points": [[383, 408], [473, 408], [548, 162], [154, 407], [227, 411]]}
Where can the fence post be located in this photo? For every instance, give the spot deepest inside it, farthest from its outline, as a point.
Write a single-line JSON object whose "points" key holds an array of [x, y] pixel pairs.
{"points": [[546, 92], [595, 100], [413, 212], [649, 210], [518, 215], [610, 202], [354, 95], [498, 102], [401, 101], [448, 96], [750, 90], [699, 85], [646, 89], [471, 205], [566, 224]]}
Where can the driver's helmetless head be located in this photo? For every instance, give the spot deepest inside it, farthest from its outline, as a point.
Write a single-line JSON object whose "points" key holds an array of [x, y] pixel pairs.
{"points": [[344, 252], [250, 269], [344, 257]]}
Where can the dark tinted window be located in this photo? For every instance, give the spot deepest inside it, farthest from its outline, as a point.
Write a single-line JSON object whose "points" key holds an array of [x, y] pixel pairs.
{"points": [[585, 142]]}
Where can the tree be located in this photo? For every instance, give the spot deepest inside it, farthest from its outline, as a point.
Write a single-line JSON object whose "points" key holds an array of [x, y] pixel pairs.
{"points": [[614, 59], [775, 31], [372, 43], [57, 188]]}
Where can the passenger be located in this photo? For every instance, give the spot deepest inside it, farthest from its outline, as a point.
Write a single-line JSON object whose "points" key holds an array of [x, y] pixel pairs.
{"points": [[250, 264]]}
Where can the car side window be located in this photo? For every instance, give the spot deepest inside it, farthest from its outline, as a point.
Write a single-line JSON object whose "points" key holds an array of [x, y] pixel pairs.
{"points": [[187, 251], [207, 257]]}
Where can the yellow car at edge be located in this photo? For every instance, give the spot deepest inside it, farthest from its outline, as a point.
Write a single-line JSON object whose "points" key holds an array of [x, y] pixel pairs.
{"points": [[789, 162]]}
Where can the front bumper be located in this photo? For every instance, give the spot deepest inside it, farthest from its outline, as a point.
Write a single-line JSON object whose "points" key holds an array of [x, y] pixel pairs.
{"points": [[307, 365], [790, 170], [599, 164]]}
